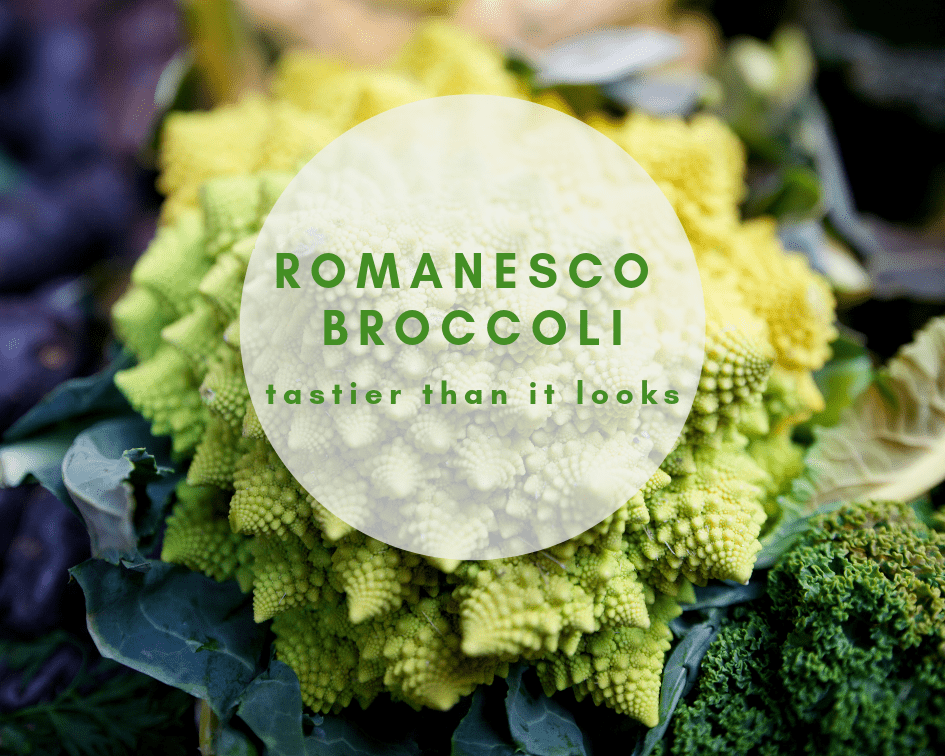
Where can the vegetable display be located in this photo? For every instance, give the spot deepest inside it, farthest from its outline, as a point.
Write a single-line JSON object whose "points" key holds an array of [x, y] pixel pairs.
{"points": [[354, 617]]}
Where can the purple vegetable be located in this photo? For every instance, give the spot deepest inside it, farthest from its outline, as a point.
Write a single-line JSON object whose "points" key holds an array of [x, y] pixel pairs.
{"points": [[50, 539], [77, 80], [12, 501], [43, 341], [56, 227], [143, 31], [51, 114], [100, 200], [11, 44]]}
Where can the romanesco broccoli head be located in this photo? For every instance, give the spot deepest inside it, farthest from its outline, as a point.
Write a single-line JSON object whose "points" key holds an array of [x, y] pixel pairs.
{"points": [[354, 617]]}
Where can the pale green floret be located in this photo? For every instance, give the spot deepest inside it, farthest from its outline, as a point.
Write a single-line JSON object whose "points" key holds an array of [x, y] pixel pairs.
{"points": [[139, 317], [703, 525], [428, 630], [196, 335], [618, 666], [287, 573], [216, 456], [224, 389], [163, 389], [199, 538], [175, 263]]}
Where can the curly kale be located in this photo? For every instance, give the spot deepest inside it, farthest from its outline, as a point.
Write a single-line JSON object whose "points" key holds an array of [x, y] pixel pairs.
{"points": [[845, 655]]}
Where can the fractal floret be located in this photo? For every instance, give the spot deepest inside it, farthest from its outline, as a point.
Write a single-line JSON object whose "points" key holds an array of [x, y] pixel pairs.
{"points": [[355, 617]]}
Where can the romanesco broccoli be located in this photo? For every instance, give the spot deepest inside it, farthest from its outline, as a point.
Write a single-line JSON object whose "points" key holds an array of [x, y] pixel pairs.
{"points": [[354, 617]]}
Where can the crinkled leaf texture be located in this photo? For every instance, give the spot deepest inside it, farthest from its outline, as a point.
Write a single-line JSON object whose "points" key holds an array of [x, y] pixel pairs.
{"points": [[177, 626], [102, 470], [890, 444]]}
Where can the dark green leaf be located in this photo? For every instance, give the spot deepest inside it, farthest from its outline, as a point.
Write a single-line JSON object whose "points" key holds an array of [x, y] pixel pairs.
{"points": [[35, 445], [841, 381], [925, 510], [272, 707], [162, 622], [95, 395], [799, 194], [849, 345], [154, 504], [680, 674], [884, 384], [14, 740], [230, 742], [28, 656], [520, 67], [793, 522], [484, 730], [103, 471], [539, 725], [674, 683]]}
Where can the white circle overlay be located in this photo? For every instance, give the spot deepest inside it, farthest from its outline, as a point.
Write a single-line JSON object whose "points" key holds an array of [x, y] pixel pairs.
{"points": [[509, 468]]}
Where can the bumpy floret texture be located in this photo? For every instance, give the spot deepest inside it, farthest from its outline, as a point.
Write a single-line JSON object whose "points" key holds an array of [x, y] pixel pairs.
{"points": [[698, 166], [704, 524], [618, 666], [845, 656], [355, 617], [199, 537]]}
